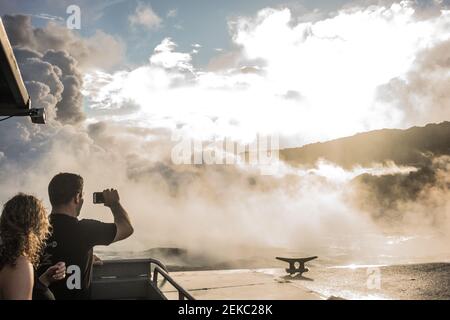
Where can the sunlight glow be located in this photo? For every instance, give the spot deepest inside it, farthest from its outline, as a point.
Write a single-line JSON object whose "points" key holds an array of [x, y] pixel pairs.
{"points": [[308, 81]]}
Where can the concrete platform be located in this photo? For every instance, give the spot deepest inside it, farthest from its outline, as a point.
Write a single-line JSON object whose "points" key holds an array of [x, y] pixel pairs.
{"points": [[260, 284]]}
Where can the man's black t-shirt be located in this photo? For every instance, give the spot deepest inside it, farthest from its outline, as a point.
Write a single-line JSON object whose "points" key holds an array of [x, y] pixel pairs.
{"points": [[72, 242]]}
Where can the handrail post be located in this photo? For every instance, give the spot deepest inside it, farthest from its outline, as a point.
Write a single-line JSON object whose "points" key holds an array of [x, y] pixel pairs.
{"points": [[155, 277]]}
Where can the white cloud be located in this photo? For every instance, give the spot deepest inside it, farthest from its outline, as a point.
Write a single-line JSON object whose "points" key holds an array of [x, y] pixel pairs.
{"points": [[106, 51], [144, 16], [335, 65], [165, 56], [100, 50], [172, 13], [46, 16]]}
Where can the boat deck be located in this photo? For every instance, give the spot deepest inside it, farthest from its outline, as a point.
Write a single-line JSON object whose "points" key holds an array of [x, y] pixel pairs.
{"points": [[241, 284]]}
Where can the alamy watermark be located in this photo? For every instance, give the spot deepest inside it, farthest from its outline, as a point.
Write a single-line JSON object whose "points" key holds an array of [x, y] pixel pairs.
{"points": [[73, 21], [373, 278], [74, 279], [263, 152]]}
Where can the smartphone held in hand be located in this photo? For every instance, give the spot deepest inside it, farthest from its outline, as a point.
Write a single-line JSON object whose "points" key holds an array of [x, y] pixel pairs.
{"points": [[98, 197]]}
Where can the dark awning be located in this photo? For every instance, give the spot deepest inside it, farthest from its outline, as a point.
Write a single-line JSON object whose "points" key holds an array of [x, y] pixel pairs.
{"points": [[14, 98], [13, 94]]}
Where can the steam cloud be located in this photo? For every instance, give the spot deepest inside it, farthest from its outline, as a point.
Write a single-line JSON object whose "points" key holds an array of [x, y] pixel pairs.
{"points": [[124, 138]]}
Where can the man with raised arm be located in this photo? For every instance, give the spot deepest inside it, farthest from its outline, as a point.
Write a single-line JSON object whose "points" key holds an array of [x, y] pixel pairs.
{"points": [[73, 239]]}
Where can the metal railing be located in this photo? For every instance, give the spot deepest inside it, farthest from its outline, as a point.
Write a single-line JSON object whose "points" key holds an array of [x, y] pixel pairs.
{"points": [[162, 270], [114, 271]]}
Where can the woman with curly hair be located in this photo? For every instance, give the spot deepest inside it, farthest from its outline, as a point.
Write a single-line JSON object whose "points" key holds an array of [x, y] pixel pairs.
{"points": [[24, 227]]}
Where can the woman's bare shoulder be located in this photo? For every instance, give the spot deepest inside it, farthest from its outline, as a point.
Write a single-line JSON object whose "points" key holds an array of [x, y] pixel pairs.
{"points": [[22, 266], [17, 280]]}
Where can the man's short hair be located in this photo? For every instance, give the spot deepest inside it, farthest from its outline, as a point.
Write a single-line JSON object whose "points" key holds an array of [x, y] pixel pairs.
{"points": [[63, 187]]}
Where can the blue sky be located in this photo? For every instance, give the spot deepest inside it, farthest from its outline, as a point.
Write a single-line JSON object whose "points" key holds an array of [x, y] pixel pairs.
{"points": [[195, 21]]}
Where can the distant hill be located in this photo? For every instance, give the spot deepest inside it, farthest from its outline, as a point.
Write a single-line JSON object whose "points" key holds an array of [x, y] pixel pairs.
{"points": [[412, 146]]}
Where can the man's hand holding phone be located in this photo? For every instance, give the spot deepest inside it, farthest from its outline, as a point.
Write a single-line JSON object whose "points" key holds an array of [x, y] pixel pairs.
{"points": [[111, 197]]}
